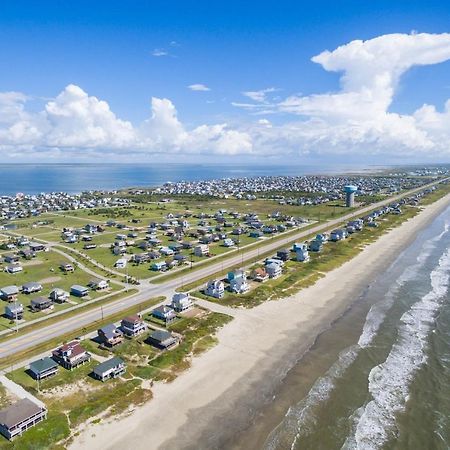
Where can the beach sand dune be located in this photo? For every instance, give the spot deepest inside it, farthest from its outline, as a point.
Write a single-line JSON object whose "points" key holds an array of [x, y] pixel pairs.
{"points": [[254, 351]]}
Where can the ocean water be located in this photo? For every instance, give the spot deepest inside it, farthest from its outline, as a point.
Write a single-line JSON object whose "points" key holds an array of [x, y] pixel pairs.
{"points": [[379, 378], [74, 178]]}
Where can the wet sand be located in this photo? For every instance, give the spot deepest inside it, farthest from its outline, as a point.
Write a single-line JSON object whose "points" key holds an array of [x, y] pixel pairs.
{"points": [[222, 392]]}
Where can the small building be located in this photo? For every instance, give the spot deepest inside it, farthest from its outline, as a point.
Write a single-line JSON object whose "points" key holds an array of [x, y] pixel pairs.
{"points": [[132, 325], [97, 284], [181, 302], [14, 269], [36, 246], [67, 267], [301, 252], [121, 263], [9, 293], [316, 245], [18, 417], [41, 304], [162, 339], [260, 275], [110, 336], [283, 254], [71, 355], [228, 242], [43, 368], [201, 250], [14, 311], [79, 291], [32, 287], [215, 288], [112, 368], [159, 266], [11, 258], [238, 281], [164, 313], [59, 295], [274, 270]]}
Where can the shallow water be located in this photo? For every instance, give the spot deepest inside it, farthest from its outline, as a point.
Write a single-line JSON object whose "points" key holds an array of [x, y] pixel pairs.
{"points": [[379, 377]]}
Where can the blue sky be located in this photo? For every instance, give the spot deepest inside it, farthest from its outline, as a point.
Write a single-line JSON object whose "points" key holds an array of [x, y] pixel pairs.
{"points": [[107, 49]]}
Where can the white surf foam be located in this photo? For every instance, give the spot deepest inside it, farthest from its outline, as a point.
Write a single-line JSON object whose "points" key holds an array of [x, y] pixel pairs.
{"points": [[389, 382]]}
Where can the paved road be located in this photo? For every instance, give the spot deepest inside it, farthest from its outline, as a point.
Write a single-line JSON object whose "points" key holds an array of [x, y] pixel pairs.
{"points": [[26, 340]]}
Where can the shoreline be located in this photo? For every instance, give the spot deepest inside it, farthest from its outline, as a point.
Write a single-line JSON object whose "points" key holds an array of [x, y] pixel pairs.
{"points": [[260, 344]]}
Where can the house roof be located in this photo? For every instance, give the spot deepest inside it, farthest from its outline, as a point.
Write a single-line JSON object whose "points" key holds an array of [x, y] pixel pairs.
{"points": [[161, 335], [40, 300], [43, 364], [18, 412], [110, 331], [31, 284], [10, 290], [108, 365], [77, 287], [132, 319], [163, 309]]}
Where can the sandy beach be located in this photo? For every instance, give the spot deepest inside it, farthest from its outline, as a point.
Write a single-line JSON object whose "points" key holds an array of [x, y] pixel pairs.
{"points": [[255, 351]]}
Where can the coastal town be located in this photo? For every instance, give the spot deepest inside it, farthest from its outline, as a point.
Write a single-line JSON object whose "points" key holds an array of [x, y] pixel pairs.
{"points": [[242, 243]]}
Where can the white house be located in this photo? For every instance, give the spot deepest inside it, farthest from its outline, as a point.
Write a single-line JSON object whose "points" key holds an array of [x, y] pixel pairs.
{"points": [[201, 250], [228, 242], [121, 263], [274, 270], [181, 302], [301, 252], [215, 288], [238, 281]]}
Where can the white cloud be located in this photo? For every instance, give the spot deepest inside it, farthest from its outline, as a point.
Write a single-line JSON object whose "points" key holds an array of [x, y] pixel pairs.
{"points": [[261, 95], [199, 87], [160, 52], [356, 119]]}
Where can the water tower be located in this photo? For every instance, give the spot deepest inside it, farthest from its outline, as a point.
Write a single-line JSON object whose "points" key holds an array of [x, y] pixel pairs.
{"points": [[350, 195]]}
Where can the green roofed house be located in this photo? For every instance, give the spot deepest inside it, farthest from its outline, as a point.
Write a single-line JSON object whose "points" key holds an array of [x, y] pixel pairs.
{"points": [[111, 368], [43, 368]]}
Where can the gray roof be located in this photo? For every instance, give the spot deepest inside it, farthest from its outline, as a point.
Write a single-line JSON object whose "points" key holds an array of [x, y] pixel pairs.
{"points": [[108, 365], [77, 287], [31, 284], [18, 412], [10, 290], [43, 364], [161, 335], [110, 331]]}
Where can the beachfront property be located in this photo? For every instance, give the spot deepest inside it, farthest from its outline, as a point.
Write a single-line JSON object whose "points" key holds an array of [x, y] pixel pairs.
{"points": [[162, 339], [215, 288], [301, 252], [9, 293], [164, 313], [41, 304], [338, 235], [121, 263], [43, 368], [111, 368], [18, 417], [259, 274], [315, 246], [59, 295], [159, 266], [181, 302], [67, 267], [132, 325], [79, 291], [14, 311], [238, 281], [109, 335], [11, 258], [71, 355], [31, 287], [283, 254], [274, 269]]}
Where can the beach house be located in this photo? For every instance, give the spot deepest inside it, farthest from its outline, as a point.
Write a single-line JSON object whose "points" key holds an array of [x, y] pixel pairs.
{"points": [[14, 269], [162, 339], [121, 263], [79, 291], [31, 287], [274, 270], [98, 284], [259, 274], [201, 250], [71, 355], [181, 302], [18, 417], [111, 368], [215, 288], [59, 295], [238, 281], [301, 252], [164, 313], [41, 304], [132, 325], [43, 368], [109, 335], [316, 245]]}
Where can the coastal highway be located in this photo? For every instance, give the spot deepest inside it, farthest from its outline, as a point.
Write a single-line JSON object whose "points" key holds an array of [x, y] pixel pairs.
{"points": [[25, 340]]}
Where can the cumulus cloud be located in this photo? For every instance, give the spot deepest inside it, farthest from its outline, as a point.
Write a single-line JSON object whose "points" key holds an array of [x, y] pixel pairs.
{"points": [[199, 87], [159, 52], [356, 119]]}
